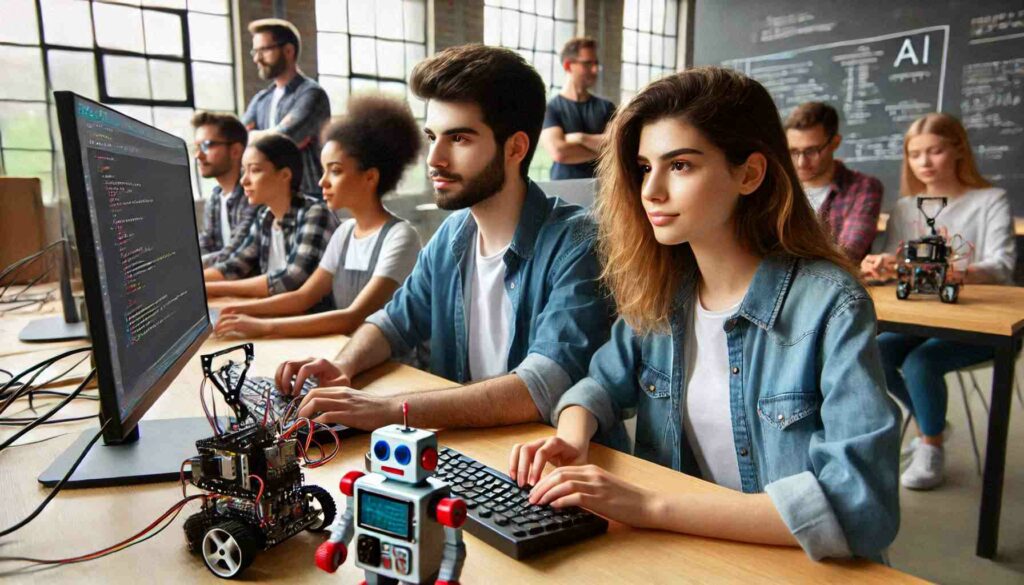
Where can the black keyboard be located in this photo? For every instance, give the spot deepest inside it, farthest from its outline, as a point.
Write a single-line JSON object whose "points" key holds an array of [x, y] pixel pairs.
{"points": [[501, 515]]}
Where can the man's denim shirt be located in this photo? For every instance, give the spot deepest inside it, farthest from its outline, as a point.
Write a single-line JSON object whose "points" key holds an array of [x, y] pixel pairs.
{"points": [[560, 313], [813, 424]]}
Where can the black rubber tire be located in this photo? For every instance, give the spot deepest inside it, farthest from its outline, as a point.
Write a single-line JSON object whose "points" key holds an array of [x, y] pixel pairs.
{"points": [[328, 509], [902, 291], [195, 529], [240, 544], [949, 293]]}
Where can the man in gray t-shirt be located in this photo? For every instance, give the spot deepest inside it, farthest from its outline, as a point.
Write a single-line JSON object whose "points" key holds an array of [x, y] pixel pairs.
{"points": [[575, 120]]}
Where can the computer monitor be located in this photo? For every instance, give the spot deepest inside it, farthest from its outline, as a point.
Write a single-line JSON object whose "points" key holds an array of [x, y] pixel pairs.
{"points": [[134, 224]]}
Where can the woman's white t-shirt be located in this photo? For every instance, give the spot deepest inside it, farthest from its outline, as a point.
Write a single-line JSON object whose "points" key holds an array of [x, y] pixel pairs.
{"points": [[397, 253]]}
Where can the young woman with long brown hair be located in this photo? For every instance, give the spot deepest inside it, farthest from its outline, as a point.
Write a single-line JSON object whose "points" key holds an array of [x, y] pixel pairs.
{"points": [[745, 346], [938, 162]]}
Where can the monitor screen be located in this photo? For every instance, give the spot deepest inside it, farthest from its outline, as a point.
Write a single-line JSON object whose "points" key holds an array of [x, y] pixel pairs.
{"points": [[384, 514], [134, 219]]}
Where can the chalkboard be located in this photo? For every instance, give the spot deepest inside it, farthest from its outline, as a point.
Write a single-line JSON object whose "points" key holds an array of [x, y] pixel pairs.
{"points": [[883, 63]]}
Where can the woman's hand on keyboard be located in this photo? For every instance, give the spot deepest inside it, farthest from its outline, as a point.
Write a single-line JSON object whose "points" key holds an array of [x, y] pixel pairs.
{"points": [[527, 460], [599, 491], [291, 375], [241, 325]]}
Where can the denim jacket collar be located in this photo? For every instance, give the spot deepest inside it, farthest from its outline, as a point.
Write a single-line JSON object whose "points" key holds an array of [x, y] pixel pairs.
{"points": [[534, 213], [291, 86]]}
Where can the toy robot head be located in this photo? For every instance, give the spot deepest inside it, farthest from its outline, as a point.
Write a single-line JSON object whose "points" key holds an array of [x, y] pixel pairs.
{"points": [[403, 453]]}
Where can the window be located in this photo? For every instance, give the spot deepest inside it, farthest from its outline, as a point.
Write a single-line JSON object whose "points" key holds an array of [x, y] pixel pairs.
{"points": [[648, 42], [537, 29], [155, 60], [364, 45]]}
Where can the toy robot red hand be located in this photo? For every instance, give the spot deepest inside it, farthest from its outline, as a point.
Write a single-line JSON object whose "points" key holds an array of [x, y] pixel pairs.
{"points": [[451, 512], [331, 554]]}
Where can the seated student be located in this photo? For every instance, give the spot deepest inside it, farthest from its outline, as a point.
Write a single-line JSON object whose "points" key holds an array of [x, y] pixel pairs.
{"points": [[505, 293], [370, 255], [287, 238], [938, 162], [847, 202], [712, 254], [220, 141]]}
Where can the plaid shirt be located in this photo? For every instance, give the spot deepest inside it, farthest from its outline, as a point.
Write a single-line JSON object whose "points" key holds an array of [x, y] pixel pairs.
{"points": [[850, 210], [307, 228], [301, 113], [212, 244]]}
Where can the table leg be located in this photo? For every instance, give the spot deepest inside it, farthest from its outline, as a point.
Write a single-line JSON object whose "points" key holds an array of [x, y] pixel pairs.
{"points": [[995, 450]]}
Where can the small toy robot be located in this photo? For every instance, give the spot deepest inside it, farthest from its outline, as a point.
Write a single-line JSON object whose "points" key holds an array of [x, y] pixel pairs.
{"points": [[259, 499], [927, 266], [406, 525]]}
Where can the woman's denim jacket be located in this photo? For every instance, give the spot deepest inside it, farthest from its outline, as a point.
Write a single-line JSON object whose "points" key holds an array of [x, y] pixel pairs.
{"points": [[811, 419]]}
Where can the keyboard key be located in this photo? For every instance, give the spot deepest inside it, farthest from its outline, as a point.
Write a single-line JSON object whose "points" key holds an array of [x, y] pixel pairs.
{"points": [[500, 519]]}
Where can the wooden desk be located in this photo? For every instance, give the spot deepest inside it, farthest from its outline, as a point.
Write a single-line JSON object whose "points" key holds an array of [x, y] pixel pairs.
{"points": [[1018, 224], [984, 315], [79, 521]]}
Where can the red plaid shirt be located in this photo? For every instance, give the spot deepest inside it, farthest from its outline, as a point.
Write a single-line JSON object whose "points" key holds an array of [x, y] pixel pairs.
{"points": [[850, 211]]}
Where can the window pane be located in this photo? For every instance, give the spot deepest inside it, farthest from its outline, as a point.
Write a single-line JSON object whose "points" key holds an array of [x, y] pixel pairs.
{"points": [[414, 53], [628, 77], [213, 86], [657, 50], [74, 71], [331, 16], [546, 34], [527, 5], [391, 59], [546, 7], [332, 54], [337, 92], [643, 15], [629, 14], [209, 37], [364, 56], [24, 125], [544, 62], [415, 13], [565, 9], [180, 4], [163, 33], [671, 17], [126, 77], [360, 20], [118, 27], [27, 61], [492, 26], [18, 23], [389, 25], [563, 32], [643, 48], [658, 16], [168, 80], [418, 106], [670, 52], [394, 88], [628, 46], [359, 85], [212, 6], [527, 30], [177, 121], [509, 28], [20, 163], [67, 22]]}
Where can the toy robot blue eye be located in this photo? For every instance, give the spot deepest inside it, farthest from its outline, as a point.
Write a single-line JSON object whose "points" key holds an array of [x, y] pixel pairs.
{"points": [[382, 450], [402, 455]]}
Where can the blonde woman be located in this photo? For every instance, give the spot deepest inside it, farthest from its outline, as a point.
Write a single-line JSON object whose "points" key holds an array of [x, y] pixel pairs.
{"points": [[745, 346], [938, 162]]}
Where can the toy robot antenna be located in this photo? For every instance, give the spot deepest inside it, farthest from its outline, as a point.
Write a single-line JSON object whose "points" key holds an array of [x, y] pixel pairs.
{"points": [[405, 414]]}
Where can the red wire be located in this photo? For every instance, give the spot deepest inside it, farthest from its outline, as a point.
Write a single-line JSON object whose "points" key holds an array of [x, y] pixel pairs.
{"points": [[259, 496]]}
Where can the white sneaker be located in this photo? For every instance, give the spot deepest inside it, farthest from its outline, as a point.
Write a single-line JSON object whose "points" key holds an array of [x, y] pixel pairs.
{"points": [[907, 451], [926, 468]]}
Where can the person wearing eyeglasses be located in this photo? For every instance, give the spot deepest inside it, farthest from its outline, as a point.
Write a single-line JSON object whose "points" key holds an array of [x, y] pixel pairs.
{"points": [[575, 119], [847, 202], [293, 105], [220, 140]]}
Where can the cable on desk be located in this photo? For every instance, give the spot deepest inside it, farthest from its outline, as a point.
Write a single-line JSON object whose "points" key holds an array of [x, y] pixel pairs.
{"points": [[56, 489], [42, 419], [29, 389], [38, 368]]}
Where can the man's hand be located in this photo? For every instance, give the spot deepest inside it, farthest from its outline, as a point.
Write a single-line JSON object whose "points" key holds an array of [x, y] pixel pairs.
{"points": [[327, 372], [351, 408]]}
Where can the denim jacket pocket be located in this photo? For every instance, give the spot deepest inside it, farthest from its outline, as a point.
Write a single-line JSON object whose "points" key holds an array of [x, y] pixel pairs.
{"points": [[783, 410], [653, 382]]}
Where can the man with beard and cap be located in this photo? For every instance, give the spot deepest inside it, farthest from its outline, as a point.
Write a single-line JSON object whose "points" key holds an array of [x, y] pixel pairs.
{"points": [[293, 105], [220, 140], [506, 293]]}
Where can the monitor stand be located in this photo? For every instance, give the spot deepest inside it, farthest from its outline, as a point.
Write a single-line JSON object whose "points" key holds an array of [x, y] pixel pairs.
{"points": [[157, 455], [52, 329]]}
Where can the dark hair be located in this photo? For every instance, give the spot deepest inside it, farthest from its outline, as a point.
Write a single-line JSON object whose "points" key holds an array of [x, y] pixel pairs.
{"points": [[738, 116], [282, 152], [228, 126], [573, 46], [284, 32], [381, 133], [508, 90], [810, 114]]}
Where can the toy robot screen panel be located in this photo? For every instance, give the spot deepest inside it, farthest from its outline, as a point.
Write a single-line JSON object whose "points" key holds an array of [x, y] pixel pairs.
{"points": [[384, 514]]}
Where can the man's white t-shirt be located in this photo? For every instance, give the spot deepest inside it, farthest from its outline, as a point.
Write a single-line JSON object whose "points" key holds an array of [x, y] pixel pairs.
{"points": [[397, 253], [707, 415], [278, 252], [489, 313], [817, 195], [275, 99], [225, 225]]}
